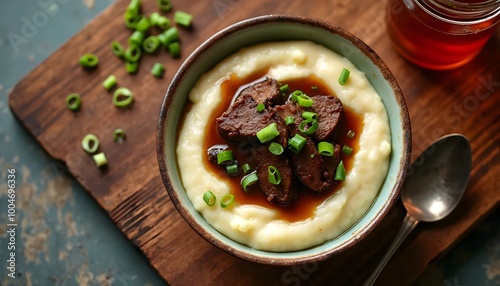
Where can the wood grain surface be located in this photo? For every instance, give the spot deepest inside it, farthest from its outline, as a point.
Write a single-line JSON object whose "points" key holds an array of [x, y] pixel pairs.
{"points": [[465, 100]]}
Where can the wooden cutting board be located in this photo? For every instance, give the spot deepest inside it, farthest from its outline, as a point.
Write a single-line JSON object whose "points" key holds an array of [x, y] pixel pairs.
{"points": [[465, 100]]}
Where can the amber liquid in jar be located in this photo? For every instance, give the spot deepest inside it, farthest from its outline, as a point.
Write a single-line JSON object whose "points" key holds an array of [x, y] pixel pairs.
{"points": [[303, 207], [444, 42]]}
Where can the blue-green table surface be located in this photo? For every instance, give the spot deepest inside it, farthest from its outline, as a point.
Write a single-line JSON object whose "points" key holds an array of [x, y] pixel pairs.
{"points": [[62, 236]]}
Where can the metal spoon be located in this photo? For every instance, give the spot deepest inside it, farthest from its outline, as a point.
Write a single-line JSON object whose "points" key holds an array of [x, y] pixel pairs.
{"points": [[436, 182]]}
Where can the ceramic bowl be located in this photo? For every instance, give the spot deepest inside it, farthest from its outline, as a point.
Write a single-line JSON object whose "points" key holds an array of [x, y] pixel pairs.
{"points": [[275, 28]]}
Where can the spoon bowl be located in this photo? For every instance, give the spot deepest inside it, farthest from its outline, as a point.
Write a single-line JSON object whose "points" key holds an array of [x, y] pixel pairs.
{"points": [[438, 178], [435, 184]]}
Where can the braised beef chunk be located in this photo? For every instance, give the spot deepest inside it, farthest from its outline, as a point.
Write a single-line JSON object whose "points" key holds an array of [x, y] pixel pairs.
{"points": [[282, 128], [308, 165], [242, 121], [266, 92], [290, 109], [310, 168], [329, 110], [286, 191]]}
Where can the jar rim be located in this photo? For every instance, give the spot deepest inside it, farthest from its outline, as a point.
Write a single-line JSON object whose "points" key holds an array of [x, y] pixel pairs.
{"points": [[460, 13], [470, 5]]}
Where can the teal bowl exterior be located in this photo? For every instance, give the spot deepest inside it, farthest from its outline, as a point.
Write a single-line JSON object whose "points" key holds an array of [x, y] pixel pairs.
{"points": [[276, 28]]}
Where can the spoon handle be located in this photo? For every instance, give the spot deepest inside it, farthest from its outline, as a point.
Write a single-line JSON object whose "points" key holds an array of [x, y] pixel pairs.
{"points": [[408, 225]]}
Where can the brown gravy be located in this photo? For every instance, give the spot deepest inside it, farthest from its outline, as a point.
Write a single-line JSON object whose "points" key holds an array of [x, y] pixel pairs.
{"points": [[307, 202]]}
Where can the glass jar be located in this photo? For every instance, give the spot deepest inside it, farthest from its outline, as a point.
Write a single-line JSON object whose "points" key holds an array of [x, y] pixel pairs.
{"points": [[441, 34]]}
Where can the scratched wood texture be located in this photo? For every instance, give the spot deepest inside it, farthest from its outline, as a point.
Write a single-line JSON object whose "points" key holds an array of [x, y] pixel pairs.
{"points": [[465, 100]]}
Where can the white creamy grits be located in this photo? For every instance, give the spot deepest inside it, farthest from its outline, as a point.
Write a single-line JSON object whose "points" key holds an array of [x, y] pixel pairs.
{"points": [[260, 227]]}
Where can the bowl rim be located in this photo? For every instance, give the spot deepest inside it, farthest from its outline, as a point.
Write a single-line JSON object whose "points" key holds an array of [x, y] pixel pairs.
{"points": [[315, 23]]}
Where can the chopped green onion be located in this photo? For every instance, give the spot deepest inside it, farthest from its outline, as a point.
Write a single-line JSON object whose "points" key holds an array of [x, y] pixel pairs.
{"points": [[232, 169], [248, 180], [314, 87], [309, 115], [142, 25], [340, 172], [289, 120], [325, 148], [245, 167], [100, 159], [268, 133], [118, 134], [261, 107], [209, 198], [136, 38], [158, 70], [109, 82], [163, 23], [89, 60], [304, 101], [133, 53], [274, 175], [163, 39], [171, 35], [226, 200], [311, 124], [174, 49], [351, 134], [346, 150], [344, 76], [296, 94], [285, 89], [134, 6], [225, 157], [164, 5], [150, 44], [183, 18], [122, 97], [276, 148], [73, 101], [90, 143], [153, 18], [296, 143], [131, 68], [118, 49], [131, 18], [311, 156]]}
